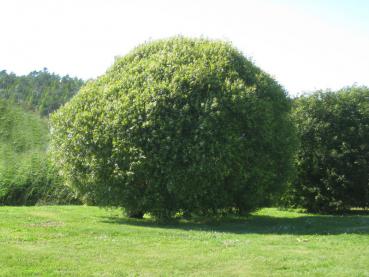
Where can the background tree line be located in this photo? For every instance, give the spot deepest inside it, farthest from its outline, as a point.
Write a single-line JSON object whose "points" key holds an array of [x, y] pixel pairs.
{"points": [[41, 91], [27, 176]]}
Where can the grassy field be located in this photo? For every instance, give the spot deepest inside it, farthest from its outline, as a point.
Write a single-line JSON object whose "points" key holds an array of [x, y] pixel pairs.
{"points": [[88, 241]]}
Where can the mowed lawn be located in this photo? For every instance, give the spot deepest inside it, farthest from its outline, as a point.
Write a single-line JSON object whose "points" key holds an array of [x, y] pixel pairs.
{"points": [[89, 241]]}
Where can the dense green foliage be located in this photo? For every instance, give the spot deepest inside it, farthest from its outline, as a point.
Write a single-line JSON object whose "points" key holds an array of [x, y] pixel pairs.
{"points": [[88, 241], [39, 90], [26, 175], [333, 159], [177, 125]]}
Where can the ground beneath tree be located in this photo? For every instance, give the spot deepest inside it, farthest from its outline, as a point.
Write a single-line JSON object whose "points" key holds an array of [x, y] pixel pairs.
{"points": [[88, 241]]}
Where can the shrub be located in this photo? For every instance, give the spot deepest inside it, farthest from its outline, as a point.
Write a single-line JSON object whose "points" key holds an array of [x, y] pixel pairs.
{"points": [[27, 176], [178, 125], [332, 163]]}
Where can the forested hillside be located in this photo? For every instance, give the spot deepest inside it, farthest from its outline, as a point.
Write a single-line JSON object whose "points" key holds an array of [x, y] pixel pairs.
{"points": [[26, 174], [40, 91]]}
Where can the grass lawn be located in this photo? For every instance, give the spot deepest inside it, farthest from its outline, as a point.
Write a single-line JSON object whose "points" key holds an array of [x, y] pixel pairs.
{"points": [[88, 241]]}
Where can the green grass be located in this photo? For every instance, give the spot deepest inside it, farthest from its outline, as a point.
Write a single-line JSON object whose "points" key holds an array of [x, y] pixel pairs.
{"points": [[88, 241]]}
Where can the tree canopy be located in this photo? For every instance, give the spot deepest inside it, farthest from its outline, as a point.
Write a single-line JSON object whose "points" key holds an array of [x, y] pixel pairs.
{"points": [[333, 158], [178, 125]]}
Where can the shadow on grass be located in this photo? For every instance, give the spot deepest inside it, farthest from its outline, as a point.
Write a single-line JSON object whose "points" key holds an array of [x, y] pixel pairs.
{"points": [[352, 223]]}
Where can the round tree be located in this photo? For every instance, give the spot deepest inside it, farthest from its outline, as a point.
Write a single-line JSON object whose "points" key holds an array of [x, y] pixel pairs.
{"points": [[177, 126], [332, 162]]}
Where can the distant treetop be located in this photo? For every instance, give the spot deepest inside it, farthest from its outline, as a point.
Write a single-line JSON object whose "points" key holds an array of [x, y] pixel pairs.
{"points": [[41, 91]]}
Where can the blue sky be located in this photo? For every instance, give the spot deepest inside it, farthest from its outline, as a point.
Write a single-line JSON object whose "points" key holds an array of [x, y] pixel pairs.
{"points": [[305, 45]]}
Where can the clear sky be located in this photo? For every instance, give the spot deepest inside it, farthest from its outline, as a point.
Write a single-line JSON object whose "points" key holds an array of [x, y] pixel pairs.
{"points": [[304, 44]]}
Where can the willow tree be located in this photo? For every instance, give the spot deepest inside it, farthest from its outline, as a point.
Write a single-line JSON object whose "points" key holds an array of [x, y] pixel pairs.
{"points": [[177, 126]]}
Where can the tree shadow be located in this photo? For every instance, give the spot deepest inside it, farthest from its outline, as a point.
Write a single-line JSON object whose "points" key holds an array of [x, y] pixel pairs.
{"points": [[352, 223]]}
